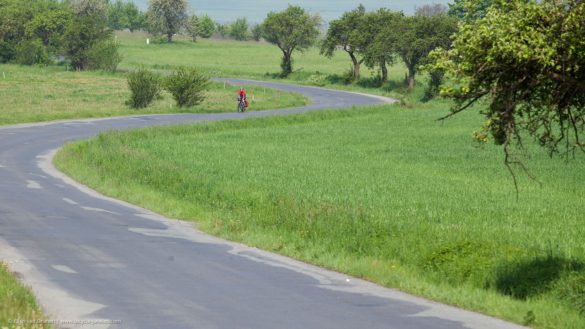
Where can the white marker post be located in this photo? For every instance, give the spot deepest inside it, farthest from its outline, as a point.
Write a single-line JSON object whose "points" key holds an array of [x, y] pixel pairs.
{"points": [[147, 41]]}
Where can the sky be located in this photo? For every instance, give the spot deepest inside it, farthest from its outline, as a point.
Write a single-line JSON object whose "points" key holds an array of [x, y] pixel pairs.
{"points": [[255, 10]]}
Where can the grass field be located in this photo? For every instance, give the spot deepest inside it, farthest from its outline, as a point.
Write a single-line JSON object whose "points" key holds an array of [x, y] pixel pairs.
{"points": [[31, 94], [256, 60], [385, 193], [18, 306]]}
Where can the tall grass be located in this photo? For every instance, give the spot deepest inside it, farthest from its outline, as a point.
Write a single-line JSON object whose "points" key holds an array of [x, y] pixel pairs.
{"points": [[382, 193], [18, 306]]}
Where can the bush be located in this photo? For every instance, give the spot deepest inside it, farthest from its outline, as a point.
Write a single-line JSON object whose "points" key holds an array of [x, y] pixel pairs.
{"points": [[187, 86], [256, 32], [104, 55], [206, 27], [145, 86], [30, 52], [239, 29], [6, 51]]}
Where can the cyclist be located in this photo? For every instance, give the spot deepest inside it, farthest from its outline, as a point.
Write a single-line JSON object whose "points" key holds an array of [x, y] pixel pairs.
{"points": [[242, 97]]}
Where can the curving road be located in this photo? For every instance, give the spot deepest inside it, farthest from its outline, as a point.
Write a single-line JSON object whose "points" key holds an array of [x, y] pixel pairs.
{"points": [[94, 262]]}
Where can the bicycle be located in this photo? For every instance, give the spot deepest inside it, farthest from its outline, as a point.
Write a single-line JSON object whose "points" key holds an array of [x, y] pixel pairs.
{"points": [[241, 105]]}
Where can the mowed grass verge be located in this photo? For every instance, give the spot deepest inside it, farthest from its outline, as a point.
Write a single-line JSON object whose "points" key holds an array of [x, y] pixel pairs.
{"points": [[382, 193], [32, 94], [19, 307]]}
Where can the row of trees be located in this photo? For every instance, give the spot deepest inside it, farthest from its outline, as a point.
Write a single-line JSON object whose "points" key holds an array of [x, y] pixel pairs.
{"points": [[169, 17], [38, 31], [374, 39], [377, 38]]}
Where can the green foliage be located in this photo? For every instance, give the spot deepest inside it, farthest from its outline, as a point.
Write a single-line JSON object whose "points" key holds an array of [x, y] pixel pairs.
{"points": [[39, 31], [49, 27], [104, 55], [344, 33], [239, 29], [222, 29], [145, 87], [15, 15], [461, 261], [469, 10], [187, 86], [291, 29], [7, 51], [370, 41], [256, 32], [413, 38], [167, 16], [526, 59], [29, 52], [206, 27], [192, 27], [125, 15]]}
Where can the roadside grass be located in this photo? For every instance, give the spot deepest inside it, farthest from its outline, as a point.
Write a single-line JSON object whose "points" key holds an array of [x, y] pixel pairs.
{"points": [[383, 193], [33, 94], [19, 307]]}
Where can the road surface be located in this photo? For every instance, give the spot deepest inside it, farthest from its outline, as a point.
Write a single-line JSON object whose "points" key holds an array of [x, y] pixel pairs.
{"points": [[94, 262]]}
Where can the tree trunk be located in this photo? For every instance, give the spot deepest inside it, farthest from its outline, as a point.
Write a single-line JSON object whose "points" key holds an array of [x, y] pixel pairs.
{"points": [[169, 37], [356, 67], [286, 64], [411, 73], [384, 70]]}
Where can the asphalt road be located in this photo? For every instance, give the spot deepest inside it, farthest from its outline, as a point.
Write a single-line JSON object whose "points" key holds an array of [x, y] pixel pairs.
{"points": [[94, 262]]}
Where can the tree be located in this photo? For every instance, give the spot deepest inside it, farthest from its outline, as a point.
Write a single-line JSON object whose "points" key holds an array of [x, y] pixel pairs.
{"points": [[527, 60], [167, 16], [256, 32], [49, 28], [136, 18], [222, 29], [469, 10], [117, 19], [206, 27], [343, 34], [413, 38], [371, 44], [125, 15], [88, 29], [14, 17], [192, 27], [239, 29], [431, 10], [290, 30]]}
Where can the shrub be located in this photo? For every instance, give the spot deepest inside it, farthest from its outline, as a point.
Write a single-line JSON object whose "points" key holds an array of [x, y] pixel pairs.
{"points": [[145, 86], [30, 52], [104, 55], [6, 51], [256, 32], [187, 86], [206, 27], [239, 29]]}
